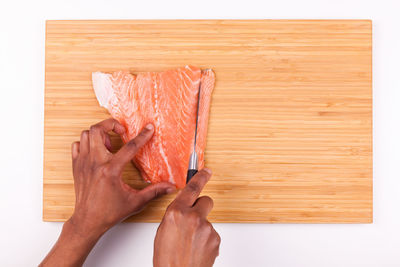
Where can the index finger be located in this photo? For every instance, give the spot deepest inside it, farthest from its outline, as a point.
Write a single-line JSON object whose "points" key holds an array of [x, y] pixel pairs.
{"points": [[192, 190], [129, 150], [98, 131]]}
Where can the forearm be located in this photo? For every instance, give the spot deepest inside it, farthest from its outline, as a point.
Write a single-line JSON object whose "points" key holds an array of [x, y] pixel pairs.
{"points": [[72, 247]]}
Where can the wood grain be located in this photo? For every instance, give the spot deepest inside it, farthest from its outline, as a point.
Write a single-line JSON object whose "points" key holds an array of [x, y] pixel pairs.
{"points": [[290, 130]]}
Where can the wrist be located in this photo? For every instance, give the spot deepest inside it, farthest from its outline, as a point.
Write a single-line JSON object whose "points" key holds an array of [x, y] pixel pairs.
{"points": [[74, 244], [83, 229]]}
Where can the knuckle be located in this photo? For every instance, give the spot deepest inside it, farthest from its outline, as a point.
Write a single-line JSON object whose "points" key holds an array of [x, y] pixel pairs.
{"points": [[170, 207], [217, 239], [207, 228], [111, 120], [94, 128], [206, 232], [174, 209], [193, 187], [203, 175], [156, 193], [133, 145], [143, 133], [85, 134], [193, 217], [173, 212], [169, 216], [108, 170]]}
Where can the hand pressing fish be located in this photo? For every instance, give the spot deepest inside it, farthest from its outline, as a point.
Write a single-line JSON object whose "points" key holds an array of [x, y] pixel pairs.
{"points": [[168, 100]]}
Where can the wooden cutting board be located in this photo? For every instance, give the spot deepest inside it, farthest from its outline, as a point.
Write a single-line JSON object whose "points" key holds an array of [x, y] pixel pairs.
{"points": [[290, 130]]}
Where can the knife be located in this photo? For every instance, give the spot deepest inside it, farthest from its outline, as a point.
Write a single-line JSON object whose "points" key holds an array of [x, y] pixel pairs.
{"points": [[194, 161]]}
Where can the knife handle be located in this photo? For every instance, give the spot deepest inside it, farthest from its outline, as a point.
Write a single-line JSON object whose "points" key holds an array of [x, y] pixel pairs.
{"points": [[190, 174]]}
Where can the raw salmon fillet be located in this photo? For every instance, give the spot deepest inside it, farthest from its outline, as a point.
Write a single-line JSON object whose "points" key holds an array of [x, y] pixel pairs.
{"points": [[168, 100]]}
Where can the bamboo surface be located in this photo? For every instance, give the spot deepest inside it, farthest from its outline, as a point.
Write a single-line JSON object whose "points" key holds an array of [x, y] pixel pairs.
{"points": [[290, 129]]}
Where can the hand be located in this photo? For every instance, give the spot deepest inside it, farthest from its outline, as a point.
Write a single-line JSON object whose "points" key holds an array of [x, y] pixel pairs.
{"points": [[185, 237], [102, 198]]}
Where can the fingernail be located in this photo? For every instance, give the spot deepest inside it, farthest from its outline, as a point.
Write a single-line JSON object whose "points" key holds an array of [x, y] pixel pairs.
{"points": [[207, 170], [170, 190], [149, 126]]}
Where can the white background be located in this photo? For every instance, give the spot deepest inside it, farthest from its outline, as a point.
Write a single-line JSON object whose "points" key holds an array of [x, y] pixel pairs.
{"points": [[25, 239]]}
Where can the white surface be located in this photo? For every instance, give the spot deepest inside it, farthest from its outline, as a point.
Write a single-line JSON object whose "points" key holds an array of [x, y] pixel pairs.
{"points": [[25, 239]]}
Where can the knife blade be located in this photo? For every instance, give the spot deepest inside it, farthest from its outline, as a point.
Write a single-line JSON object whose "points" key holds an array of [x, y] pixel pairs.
{"points": [[194, 161]]}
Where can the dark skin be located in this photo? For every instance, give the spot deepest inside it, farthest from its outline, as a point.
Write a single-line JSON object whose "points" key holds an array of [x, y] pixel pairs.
{"points": [[103, 200], [186, 230]]}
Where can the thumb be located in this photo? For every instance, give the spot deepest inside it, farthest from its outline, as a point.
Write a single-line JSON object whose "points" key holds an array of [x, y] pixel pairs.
{"points": [[156, 190]]}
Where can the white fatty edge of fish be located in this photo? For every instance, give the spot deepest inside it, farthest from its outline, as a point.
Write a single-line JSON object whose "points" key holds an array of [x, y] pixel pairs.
{"points": [[102, 85]]}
